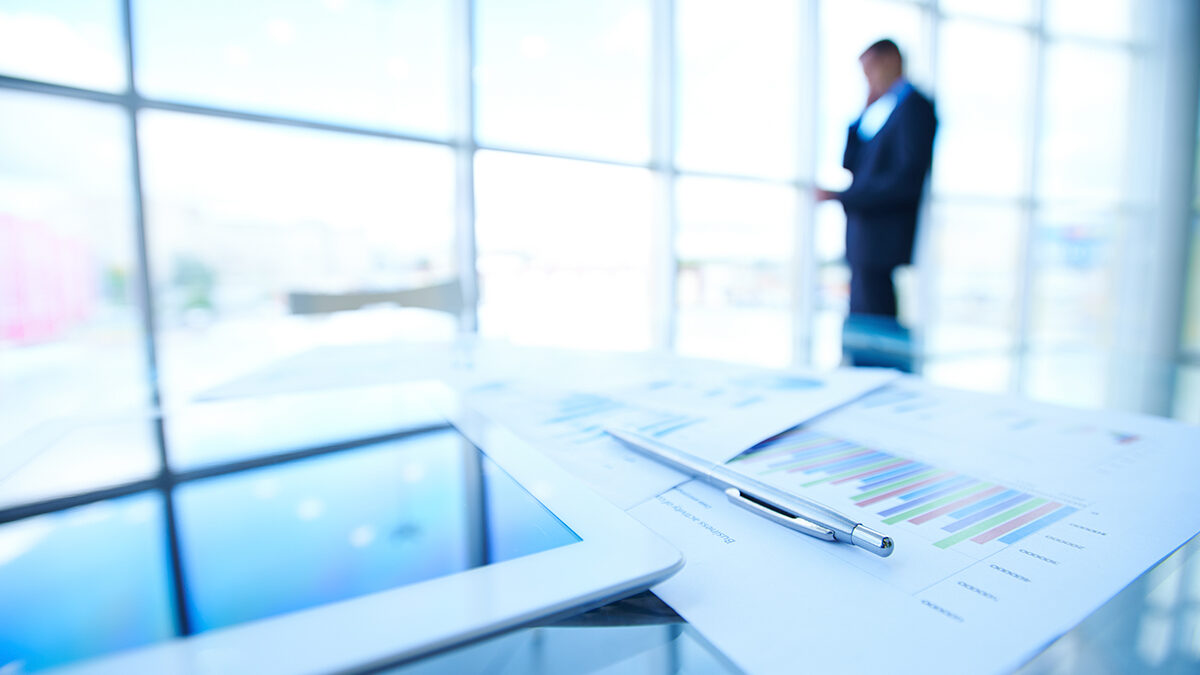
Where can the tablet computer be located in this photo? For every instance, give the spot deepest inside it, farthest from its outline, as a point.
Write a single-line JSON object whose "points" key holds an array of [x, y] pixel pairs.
{"points": [[376, 555]]}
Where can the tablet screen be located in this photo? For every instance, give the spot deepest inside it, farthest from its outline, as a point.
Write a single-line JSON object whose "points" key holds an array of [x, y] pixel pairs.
{"points": [[258, 543]]}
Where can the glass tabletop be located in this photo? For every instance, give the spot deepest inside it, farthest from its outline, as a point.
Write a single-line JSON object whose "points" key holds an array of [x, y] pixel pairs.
{"points": [[140, 537]]}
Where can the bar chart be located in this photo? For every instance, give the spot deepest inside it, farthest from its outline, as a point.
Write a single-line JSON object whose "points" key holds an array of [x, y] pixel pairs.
{"points": [[952, 509]]}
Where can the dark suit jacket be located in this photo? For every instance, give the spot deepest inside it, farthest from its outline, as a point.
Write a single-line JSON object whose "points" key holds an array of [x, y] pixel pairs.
{"points": [[889, 175]]}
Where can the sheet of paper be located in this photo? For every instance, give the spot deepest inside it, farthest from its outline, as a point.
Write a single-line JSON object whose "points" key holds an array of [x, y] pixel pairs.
{"points": [[1013, 521], [721, 411], [712, 409]]}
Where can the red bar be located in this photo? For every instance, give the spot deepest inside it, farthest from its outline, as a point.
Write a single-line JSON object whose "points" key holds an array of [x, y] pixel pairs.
{"points": [[835, 460], [965, 501], [1015, 523], [872, 472], [906, 488]]}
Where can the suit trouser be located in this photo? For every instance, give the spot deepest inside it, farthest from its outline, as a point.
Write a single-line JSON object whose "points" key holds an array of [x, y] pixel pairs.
{"points": [[872, 292], [871, 336]]}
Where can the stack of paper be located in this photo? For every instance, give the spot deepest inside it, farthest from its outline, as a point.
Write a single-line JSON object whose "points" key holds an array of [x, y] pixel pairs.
{"points": [[1013, 521]]}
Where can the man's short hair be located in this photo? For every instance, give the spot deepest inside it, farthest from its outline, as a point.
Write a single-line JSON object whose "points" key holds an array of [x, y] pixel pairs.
{"points": [[886, 48]]}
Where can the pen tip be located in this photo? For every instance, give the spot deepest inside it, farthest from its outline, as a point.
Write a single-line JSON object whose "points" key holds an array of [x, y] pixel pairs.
{"points": [[875, 542]]}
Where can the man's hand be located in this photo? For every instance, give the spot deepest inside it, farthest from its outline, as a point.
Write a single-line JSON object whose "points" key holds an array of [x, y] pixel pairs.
{"points": [[823, 195]]}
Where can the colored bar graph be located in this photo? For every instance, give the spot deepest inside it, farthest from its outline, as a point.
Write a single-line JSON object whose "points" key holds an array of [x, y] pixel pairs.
{"points": [[903, 490]]}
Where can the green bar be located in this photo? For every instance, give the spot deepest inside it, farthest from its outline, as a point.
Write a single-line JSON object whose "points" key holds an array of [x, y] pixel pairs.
{"points": [[856, 470], [934, 504], [897, 484], [802, 462], [989, 523]]}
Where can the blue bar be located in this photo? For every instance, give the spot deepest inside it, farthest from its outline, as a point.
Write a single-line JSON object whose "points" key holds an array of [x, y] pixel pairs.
{"points": [[979, 506], [1038, 524], [888, 476], [851, 463], [970, 520]]}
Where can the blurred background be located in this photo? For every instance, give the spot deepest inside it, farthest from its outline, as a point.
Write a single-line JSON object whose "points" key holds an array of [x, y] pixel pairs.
{"points": [[622, 175]]}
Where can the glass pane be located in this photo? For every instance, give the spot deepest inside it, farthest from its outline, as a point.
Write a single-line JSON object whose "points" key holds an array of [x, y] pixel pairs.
{"points": [[827, 338], [847, 28], [564, 251], [1196, 187], [830, 236], [84, 582], [71, 345], [1086, 98], [72, 42], [739, 78], [78, 454], [1111, 19], [244, 215], [983, 110], [351, 523], [237, 428], [1191, 316], [1009, 10], [1187, 394], [833, 284], [1073, 279], [971, 262], [734, 247], [375, 64], [565, 77]]}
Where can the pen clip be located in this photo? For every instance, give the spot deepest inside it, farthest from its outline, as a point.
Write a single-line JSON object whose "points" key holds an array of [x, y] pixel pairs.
{"points": [[781, 517]]}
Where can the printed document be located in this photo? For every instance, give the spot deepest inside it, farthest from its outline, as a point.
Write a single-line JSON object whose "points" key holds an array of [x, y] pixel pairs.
{"points": [[1012, 520]]}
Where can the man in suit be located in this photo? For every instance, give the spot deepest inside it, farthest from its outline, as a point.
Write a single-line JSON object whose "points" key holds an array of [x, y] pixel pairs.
{"points": [[889, 149]]}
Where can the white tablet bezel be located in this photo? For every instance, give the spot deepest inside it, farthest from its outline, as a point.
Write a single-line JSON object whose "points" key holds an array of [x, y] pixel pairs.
{"points": [[616, 556]]}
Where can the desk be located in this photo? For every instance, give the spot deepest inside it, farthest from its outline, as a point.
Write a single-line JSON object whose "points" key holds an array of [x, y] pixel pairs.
{"points": [[1152, 626]]}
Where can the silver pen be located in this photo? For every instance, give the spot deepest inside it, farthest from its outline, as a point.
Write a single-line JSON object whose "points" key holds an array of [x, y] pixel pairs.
{"points": [[797, 513]]}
